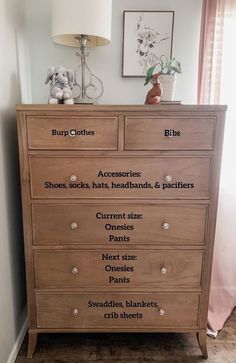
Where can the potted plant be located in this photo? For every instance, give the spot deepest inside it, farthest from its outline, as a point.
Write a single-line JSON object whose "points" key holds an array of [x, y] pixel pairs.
{"points": [[167, 69]]}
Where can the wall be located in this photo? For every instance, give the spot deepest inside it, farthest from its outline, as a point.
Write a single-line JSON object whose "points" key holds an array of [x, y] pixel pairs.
{"points": [[12, 285], [106, 61]]}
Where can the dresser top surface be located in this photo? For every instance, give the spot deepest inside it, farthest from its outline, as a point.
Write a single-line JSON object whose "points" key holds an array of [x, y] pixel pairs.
{"points": [[121, 108]]}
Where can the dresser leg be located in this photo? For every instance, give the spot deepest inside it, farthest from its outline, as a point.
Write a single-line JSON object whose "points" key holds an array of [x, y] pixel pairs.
{"points": [[31, 344], [201, 337]]}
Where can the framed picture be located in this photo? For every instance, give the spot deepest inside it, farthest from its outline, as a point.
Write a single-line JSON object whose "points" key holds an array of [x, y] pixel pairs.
{"points": [[146, 36]]}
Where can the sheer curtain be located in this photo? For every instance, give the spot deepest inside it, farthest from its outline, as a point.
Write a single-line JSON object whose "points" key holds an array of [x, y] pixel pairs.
{"points": [[217, 84]]}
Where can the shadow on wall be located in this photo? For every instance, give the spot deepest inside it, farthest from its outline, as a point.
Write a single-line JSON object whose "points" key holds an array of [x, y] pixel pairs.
{"points": [[11, 189], [15, 14]]}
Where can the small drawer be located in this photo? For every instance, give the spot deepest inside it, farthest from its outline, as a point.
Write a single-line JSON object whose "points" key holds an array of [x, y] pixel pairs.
{"points": [[72, 133], [120, 177], [120, 311], [123, 269], [118, 223], [152, 133]]}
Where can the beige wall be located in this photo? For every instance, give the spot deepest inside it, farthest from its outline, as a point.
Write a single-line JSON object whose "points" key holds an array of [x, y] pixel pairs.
{"points": [[12, 285], [106, 61]]}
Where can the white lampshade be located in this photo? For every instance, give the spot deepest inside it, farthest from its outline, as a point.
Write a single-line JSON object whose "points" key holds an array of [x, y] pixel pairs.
{"points": [[71, 18]]}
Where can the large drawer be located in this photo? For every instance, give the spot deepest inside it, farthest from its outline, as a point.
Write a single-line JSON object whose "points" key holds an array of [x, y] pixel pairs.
{"points": [[182, 133], [120, 177], [75, 133], [123, 269], [118, 223], [122, 311]]}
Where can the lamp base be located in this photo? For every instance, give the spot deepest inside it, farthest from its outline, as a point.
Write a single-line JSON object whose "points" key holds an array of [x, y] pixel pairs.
{"points": [[90, 87]]}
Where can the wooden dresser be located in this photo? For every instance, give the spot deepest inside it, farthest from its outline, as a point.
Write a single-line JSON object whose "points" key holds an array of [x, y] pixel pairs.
{"points": [[119, 206]]}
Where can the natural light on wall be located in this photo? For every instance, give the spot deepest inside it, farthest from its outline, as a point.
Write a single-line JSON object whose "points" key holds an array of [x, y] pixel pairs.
{"points": [[228, 96], [223, 288]]}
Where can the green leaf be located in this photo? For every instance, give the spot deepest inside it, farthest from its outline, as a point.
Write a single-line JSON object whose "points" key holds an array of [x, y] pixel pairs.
{"points": [[178, 66], [149, 74], [175, 69], [169, 65]]}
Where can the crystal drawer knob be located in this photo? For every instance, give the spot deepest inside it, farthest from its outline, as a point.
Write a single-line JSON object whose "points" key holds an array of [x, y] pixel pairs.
{"points": [[72, 134], [75, 312], [163, 270], [161, 312], [165, 226], [74, 225], [74, 271], [168, 178], [73, 178]]}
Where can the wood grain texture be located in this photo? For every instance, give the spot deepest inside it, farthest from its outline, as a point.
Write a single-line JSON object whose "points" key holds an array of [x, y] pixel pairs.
{"points": [[201, 109], [151, 133], [207, 268], [74, 133], [192, 174], [127, 139], [143, 223], [201, 337], [27, 224], [32, 343], [63, 269], [57, 311]]}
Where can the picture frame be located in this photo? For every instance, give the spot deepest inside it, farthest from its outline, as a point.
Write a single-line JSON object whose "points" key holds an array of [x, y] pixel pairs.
{"points": [[146, 36]]}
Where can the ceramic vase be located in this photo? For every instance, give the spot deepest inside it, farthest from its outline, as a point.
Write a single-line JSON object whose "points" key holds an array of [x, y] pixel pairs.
{"points": [[168, 84]]}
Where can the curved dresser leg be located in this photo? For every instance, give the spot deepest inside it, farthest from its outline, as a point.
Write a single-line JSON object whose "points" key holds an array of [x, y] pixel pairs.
{"points": [[201, 337], [31, 344]]}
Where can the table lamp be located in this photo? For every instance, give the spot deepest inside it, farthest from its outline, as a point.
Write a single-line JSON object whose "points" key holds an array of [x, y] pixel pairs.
{"points": [[83, 24]]}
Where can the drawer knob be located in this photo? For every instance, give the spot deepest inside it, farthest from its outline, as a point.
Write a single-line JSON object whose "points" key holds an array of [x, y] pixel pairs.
{"points": [[73, 178], [75, 312], [168, 178], [74, 271], [165, 226], [162, 312], [163, 270], [74, 225]]}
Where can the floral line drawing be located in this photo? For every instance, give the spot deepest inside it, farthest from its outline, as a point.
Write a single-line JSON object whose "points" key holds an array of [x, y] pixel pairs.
{"points": [[147, 35], [147, 39]]}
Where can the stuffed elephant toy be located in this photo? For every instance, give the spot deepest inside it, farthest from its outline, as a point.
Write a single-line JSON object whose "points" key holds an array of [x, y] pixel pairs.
{"points": [[61, 85]]}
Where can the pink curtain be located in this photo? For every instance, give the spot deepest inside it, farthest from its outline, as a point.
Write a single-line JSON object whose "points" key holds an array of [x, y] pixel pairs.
{"points": [[216, 84], [210, 54]]}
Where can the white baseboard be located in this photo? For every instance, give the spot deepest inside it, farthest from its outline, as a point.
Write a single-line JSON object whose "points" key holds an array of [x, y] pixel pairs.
{"points": [[19, 340]]}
